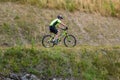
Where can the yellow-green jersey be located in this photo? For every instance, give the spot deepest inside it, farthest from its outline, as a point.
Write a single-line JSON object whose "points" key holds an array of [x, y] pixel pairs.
{"points": [[55, 22]]}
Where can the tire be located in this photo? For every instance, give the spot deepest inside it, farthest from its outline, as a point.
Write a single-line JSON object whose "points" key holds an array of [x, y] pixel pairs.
{"points": [[47, 41], [70, 41]]}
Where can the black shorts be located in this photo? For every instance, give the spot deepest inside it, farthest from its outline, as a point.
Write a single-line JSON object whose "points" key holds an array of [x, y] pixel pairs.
{"points": [[53, 29]]}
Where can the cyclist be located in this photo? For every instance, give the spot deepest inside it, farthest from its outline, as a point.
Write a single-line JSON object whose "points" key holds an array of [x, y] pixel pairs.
{"points": [[53, 27]]}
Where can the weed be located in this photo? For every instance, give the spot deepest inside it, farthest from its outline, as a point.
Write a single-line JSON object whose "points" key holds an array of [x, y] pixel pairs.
{"points": [[87, 62]]}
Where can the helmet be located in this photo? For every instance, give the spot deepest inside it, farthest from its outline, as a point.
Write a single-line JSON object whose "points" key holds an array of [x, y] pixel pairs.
{"points": [[59, 17]]}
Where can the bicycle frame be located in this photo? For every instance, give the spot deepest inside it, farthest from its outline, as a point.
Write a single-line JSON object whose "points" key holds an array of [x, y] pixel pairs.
{"points": [[63, 34]]}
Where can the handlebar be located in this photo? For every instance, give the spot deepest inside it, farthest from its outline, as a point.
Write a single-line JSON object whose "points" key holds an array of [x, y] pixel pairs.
{"points": [[65, 28]]}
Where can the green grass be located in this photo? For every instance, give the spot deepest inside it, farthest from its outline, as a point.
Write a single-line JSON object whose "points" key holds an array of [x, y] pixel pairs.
{"points": [[88, 63]]}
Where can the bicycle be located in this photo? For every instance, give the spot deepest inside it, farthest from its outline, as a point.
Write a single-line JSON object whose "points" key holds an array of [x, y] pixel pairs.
{"points": [[69, 40]]}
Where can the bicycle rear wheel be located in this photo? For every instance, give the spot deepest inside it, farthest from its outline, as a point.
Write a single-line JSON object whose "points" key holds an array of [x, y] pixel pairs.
{"points": [[70, 41], [47, 41]]}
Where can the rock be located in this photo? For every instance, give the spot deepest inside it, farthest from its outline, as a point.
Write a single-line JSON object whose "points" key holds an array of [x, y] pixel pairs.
{"points": [[14, 76], [29, 77], [8, 79], [2, 77]]}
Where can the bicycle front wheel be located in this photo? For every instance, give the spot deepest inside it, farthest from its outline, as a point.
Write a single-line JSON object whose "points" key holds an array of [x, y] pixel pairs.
{"points": [[47, 41], [70, 41]]}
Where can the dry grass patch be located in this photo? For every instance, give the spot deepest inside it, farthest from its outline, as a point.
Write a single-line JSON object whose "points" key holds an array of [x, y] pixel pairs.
{"points": [[105, 7]]}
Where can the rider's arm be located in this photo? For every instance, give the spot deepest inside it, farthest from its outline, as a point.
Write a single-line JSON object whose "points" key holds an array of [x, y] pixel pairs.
{"points": [[63, 24]]}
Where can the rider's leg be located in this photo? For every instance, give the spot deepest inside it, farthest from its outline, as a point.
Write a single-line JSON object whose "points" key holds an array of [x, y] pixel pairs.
{"points": [[56, 32], [56, 35]]}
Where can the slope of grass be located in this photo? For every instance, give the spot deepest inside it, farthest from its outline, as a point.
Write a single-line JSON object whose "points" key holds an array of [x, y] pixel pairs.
{"points": [[105, 7], [86, 63], [25, 24]]}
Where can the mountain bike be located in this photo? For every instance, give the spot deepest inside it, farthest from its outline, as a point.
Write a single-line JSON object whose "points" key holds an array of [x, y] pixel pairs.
{"points": [[69, 40]]}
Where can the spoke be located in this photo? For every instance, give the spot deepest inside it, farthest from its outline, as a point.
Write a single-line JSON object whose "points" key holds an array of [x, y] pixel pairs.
{"points": [[70, 41], [47, 41]]}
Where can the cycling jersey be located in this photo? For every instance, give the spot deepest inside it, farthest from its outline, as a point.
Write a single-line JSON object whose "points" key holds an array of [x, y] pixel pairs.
{"points": [[55, 22]]}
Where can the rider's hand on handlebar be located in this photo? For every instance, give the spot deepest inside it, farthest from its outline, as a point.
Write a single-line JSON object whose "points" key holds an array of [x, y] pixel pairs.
{"points": [[66, 28]]}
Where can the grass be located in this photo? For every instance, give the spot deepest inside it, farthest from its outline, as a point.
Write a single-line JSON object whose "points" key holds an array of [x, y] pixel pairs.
{"points": [[105, 7], [87, 63], [26, 24]]}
